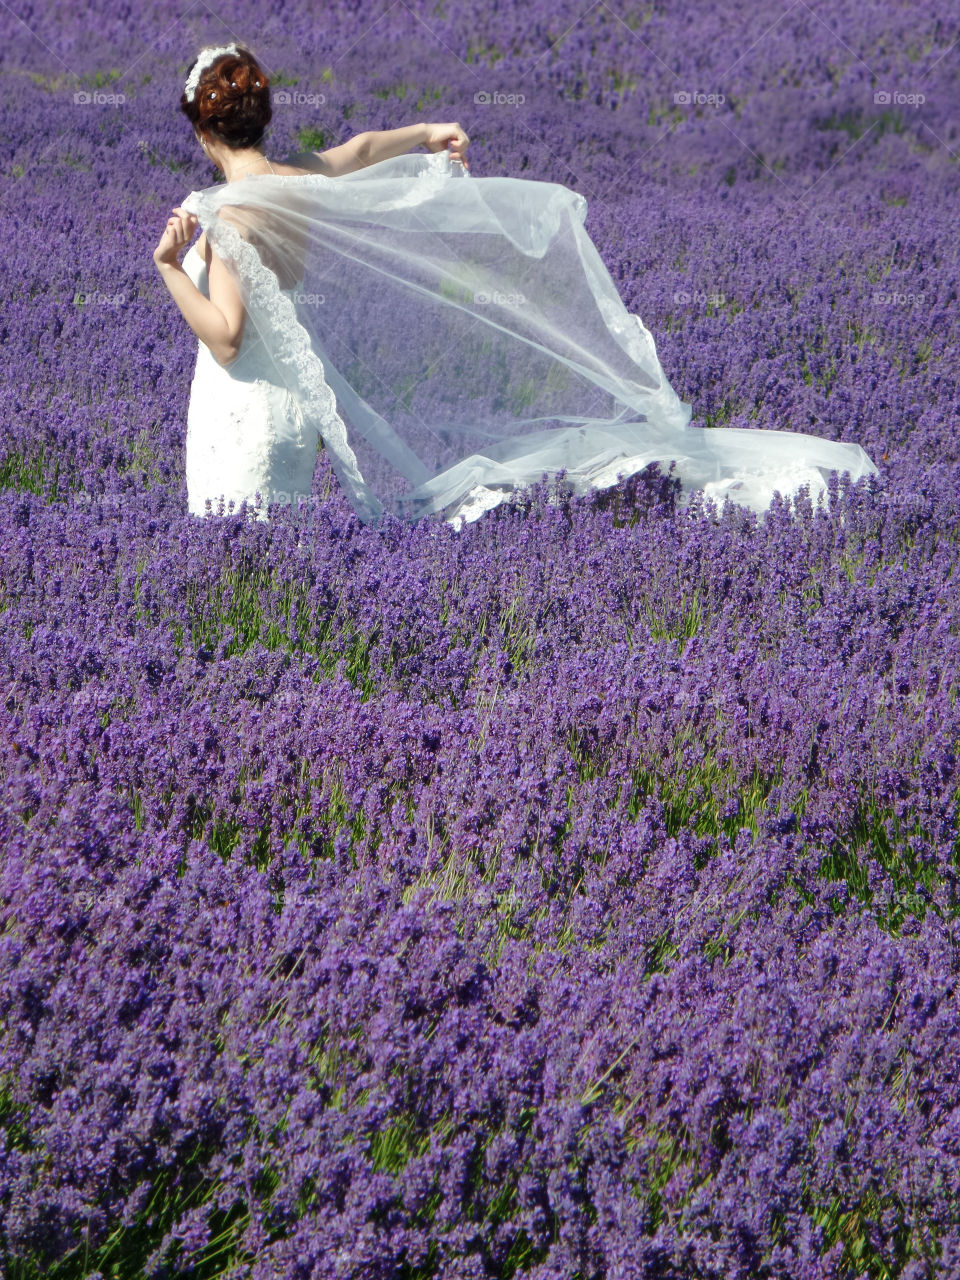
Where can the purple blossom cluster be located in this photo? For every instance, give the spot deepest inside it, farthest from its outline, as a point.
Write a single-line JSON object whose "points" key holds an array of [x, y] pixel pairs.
{"points": [[571, 896]]}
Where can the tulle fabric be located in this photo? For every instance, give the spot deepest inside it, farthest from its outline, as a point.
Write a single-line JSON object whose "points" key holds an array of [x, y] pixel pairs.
{"points": [[453, 337]]}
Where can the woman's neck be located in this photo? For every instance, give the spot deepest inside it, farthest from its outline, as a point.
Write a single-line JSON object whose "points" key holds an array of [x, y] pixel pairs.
{"points": [[242, 164]]}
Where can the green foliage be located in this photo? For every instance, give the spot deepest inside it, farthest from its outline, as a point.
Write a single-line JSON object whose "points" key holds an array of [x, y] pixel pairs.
{"points": [[29, 472], [877, 835], [311, 138]]}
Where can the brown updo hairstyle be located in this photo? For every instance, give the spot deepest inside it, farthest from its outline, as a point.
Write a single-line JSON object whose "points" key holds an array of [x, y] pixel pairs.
{"points": [[232, 100]]}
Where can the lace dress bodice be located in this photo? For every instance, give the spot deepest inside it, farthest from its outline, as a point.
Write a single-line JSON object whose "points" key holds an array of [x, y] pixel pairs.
{"points": [[234, 449]]}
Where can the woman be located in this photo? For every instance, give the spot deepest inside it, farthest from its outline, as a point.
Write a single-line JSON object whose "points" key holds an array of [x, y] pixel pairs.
{"points": [[236, 448], [448, 338]]}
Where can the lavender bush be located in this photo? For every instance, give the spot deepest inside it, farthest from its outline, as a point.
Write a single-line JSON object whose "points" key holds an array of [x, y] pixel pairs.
{"points": [[574, 896]]}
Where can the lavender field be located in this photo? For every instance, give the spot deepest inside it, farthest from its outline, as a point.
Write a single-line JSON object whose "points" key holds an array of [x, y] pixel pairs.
{"points": [[574, 896]]}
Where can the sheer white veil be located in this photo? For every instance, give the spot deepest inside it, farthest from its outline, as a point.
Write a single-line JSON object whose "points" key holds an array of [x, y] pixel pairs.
{"points": [[454, 337]]}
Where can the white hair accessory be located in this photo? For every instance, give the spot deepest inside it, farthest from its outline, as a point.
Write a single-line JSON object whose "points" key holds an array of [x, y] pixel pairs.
{"points": [[205, 58]]}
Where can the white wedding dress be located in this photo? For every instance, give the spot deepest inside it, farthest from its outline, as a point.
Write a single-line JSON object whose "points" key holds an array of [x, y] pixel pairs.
{"points": [[247, 434]]}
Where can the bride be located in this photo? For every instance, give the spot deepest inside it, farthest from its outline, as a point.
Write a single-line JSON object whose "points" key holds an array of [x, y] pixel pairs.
{"points": [[448, 339]]}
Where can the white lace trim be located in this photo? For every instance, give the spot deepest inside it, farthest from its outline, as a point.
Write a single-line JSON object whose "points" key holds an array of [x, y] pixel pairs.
{"points": [[293, 349], [436, 171]]}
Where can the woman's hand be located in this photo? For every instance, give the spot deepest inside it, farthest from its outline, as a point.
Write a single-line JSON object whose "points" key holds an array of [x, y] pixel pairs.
{"points": [[441, 135], [178, 232]]}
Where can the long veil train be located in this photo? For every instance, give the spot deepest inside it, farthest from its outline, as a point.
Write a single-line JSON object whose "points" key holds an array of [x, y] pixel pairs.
{"points": [[455, 337]]}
